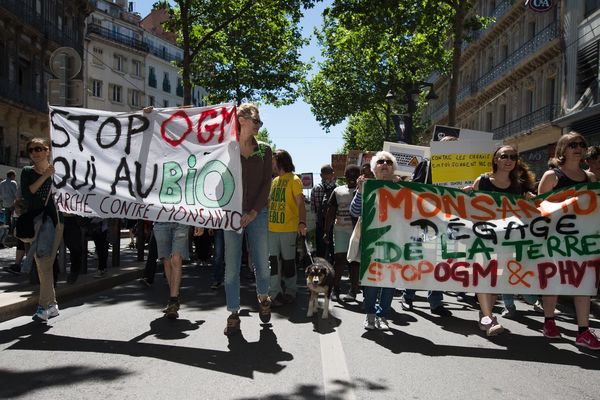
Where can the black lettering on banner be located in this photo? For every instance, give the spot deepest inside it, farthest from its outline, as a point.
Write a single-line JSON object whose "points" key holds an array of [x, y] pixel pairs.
{"points": [[127, 177], [131, 131], [67, 174], [512, 225], [138, 180], [485, 230], [117, 124], [561, 227], [59, 129], [542, 231], [82, 120], [74, 179]]}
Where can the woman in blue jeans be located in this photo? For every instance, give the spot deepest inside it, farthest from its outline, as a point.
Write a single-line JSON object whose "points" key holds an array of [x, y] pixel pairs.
{"points": [[383, 165], [256, 184]]}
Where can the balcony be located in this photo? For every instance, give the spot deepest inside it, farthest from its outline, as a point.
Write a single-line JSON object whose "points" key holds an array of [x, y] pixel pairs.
{"points": [[545, 36], [118, 37], [27, 97], [164, 54], [540, 116], [63, 36]]}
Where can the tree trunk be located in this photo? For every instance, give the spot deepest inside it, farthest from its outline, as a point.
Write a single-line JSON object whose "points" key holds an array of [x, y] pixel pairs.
{"points": [[187, 54], [459, 21]]}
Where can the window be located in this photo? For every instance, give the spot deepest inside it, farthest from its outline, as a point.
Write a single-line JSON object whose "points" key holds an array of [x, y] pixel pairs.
{"points": [[117, 94], [550, 90], [531, 30], [119, 63], [38, 7], [529, 101], [151, 77], [488, 121], [96, 88], [502, 115], [166, 83], [135, 98], [591, 6], [151, 101], [165, 103], [179, 89], [137, 68], [98, 55]]}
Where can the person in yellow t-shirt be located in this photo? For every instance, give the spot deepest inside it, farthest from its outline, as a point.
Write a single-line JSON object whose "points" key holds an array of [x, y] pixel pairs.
{"points": [[287, 219]]}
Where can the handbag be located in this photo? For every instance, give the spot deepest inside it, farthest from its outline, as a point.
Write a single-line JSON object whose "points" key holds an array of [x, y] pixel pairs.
{"points": [[29, 223], [353, 254]]}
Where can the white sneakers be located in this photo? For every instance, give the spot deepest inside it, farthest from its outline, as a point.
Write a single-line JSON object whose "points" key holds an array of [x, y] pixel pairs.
{"points": [[42, 314]]}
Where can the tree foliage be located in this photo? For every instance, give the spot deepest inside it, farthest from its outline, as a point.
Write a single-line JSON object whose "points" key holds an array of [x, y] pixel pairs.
{"points": [[372, 47], [241, 49]]}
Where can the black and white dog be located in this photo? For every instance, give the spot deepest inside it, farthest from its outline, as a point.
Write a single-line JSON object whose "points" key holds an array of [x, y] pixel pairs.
{"points": [[319, 279]]}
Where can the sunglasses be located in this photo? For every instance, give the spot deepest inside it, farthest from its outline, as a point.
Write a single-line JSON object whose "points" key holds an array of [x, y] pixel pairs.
{"points": [[513, 157], [256, 121], [573, 145], [382, 161], [37, 149]]}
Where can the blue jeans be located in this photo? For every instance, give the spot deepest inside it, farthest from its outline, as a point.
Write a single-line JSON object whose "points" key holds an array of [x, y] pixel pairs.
{"points": [[385, 300], [509, 299], [434, 297], [219, 261], [257, 234]]}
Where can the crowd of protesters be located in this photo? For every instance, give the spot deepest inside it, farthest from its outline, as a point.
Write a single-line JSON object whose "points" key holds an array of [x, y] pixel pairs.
{"points": [[274, 216]]}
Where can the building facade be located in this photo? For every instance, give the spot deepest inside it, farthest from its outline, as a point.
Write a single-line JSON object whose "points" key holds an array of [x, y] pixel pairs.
{"points": [[517, 76], [30, 30]]}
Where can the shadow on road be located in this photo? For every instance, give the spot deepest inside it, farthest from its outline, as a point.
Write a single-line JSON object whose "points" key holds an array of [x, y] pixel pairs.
{"points": [[242, 359]]}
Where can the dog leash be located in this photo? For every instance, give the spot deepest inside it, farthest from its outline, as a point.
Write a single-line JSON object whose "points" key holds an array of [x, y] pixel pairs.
{"points": [[307, 248]]}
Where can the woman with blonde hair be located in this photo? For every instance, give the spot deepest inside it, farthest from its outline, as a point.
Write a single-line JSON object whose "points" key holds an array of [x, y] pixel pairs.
{"points": [[36, 189], [570, 152]]}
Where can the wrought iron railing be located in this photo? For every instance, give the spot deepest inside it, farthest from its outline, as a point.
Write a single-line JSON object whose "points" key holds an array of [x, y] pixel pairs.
{"points": [[26, 96], [546, 35], [542, 115], [118, 37], [164, 54]]}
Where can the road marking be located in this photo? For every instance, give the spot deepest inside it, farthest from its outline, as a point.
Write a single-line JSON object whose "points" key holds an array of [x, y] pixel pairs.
{"points": [[333, 361]]}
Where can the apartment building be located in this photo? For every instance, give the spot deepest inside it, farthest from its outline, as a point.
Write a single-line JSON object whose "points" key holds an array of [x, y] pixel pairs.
{"points": [[30, 30], [518, 77]]}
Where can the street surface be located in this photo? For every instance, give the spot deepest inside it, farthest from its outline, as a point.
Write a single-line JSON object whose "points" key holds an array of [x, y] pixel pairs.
{"points": [[116, 345]]}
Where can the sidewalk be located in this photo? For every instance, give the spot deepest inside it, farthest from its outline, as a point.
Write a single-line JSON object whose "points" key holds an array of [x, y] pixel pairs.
{"points": [[18, 297]]}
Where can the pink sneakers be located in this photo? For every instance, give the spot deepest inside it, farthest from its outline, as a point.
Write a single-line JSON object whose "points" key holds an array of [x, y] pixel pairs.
{"points": [[588, 339], [550, 329]]}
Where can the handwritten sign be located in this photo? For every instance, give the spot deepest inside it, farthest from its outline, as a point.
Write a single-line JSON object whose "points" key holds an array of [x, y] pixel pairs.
{"points": [[428, 237], [178, 165], [456, 164], [407, 156]]}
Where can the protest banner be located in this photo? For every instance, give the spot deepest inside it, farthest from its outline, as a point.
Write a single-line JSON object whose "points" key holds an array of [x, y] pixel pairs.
{"points": [[365, 157], [458, 164], [338, 163], [307, 180], [353, 157], [407, 156], [177, 165], [430, 237]]}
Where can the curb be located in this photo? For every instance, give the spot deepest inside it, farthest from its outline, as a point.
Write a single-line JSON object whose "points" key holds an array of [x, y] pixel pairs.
{"points": [[66, 292]]}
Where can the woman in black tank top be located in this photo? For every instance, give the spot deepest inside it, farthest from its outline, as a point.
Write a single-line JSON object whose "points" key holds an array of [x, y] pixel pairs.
{"points": [[509, 175], [570, 151]]}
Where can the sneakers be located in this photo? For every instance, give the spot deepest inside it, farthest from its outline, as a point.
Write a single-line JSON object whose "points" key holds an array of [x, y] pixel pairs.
{"points": [[233, 324], [382, 324], [538, 307], [41, 314], [462, 297], [216, 285], [52, 310], [441, 311], [264, 310], [369, 323], [509, 312], [100, 274], [171, 311], [490, 325], [407, 305], [550, 329], [588, 339], [350, 296]]}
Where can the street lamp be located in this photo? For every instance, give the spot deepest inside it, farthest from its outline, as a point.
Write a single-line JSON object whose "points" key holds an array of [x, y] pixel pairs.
{"points": [[411, 95]]}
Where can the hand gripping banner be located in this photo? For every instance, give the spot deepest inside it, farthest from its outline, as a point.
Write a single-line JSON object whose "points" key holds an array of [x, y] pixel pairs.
{"points": [[431, 237], [179, 165]]}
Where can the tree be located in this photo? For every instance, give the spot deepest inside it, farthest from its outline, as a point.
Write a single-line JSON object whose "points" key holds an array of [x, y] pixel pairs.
{"points": [[370, 48], [240, 48], [263, 136]]}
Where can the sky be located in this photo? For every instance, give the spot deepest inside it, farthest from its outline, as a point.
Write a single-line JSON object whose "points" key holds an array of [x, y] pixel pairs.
{"points": [[294, 127]]}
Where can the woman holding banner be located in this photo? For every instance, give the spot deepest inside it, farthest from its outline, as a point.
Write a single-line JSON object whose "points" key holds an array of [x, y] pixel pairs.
{"points": [[36, 188], [570, 152], [383, 165], [256, 161], [509, 175]]}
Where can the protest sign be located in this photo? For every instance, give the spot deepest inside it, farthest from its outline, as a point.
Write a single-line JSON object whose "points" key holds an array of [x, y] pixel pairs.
{"points": [[338, 163], [307, 180], [430, 237], [171, 165], [457, 164], [353, 157], [407, 156]]}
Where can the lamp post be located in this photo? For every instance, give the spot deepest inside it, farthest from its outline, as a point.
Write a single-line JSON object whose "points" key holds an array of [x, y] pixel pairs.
{"points": [[411, 95]]}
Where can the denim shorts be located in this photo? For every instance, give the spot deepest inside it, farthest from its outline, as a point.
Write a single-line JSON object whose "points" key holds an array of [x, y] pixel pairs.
{"points": [[171, 238]]}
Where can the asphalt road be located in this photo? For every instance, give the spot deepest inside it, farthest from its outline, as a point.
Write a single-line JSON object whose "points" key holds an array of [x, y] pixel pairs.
{"points": [[116, 345]]}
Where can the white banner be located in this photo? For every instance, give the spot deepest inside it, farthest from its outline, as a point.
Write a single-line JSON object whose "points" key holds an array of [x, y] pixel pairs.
{"points": [[178, 165]]}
